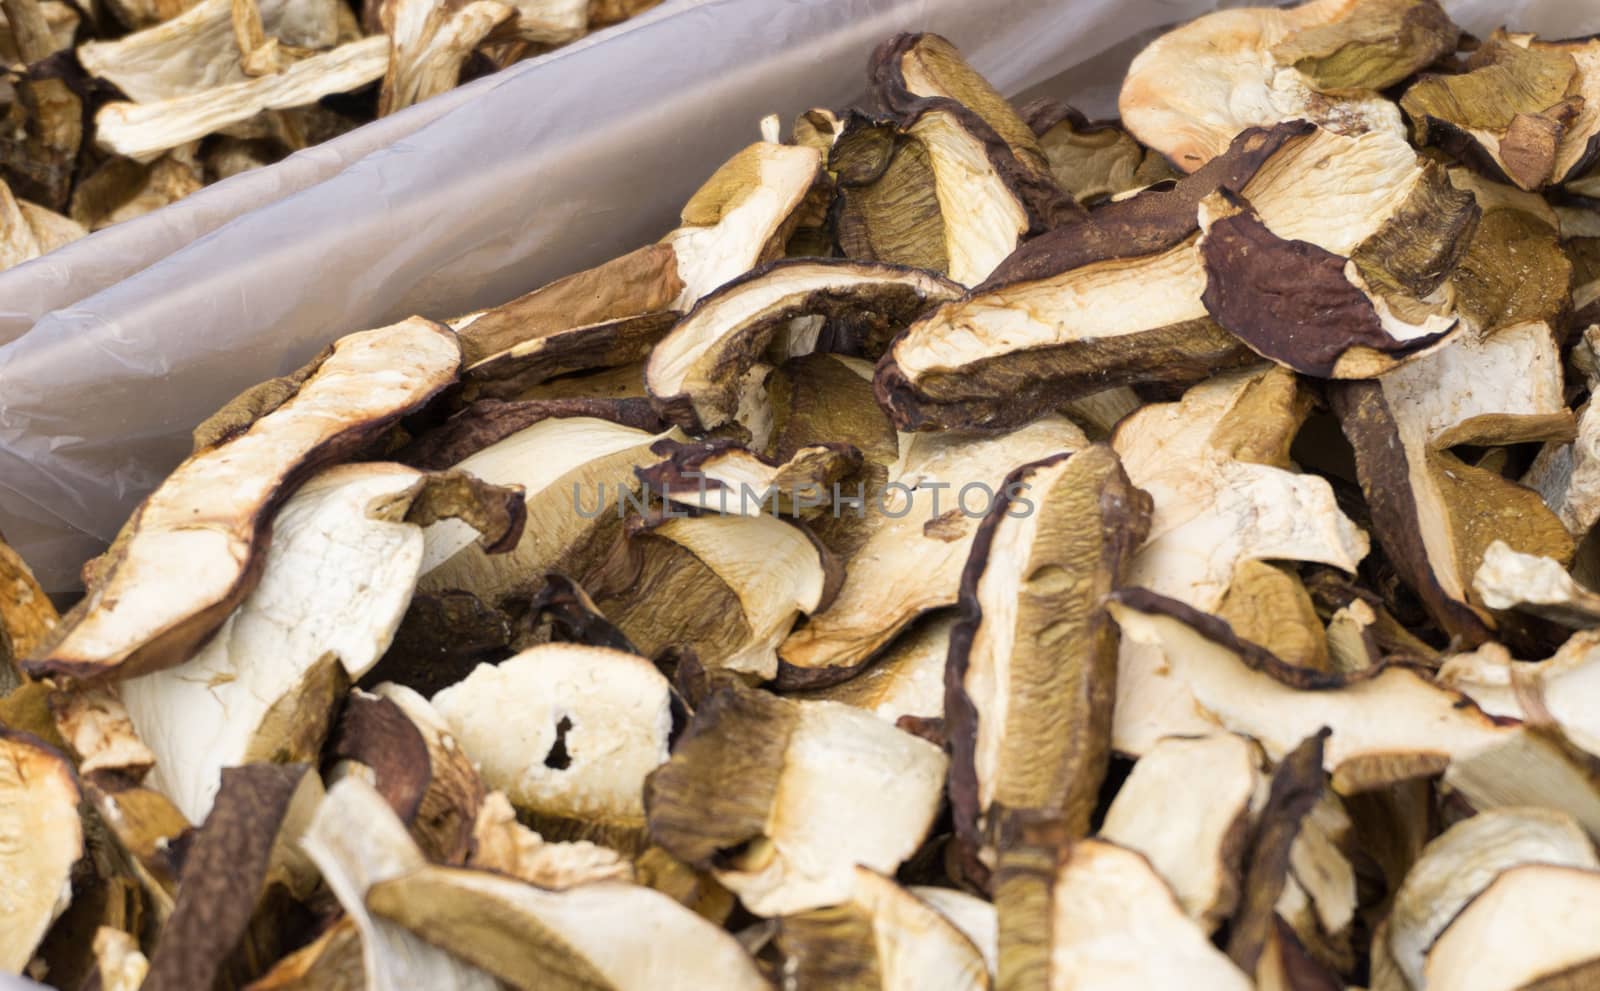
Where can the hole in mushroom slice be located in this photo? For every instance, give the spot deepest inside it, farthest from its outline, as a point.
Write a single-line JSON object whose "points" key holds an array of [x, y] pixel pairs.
{"points": [[569, 733], [141, 614], [1216, 465], [1550, 946], [1320, 61], [883, 936], [1456, 867], [1032, 672], [723, 477], [695, 372], [343, 556], [41, 837], [821, 788]]}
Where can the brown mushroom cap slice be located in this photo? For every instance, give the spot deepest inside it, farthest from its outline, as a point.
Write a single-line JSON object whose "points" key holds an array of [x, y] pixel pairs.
{"points": [[1463, 861], [41, 838], [510, 373], [1031, 676], [905, 679], [449, 793], [822, 787], [1186, 807], [1523, 931], [695, 372], [142, 614], [565, 730]]}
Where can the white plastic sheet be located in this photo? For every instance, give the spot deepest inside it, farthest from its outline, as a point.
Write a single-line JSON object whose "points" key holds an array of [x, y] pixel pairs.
{"points": [[116, 346]]}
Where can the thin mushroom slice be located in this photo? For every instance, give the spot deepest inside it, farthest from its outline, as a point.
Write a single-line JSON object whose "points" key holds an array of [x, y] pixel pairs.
{"points": [[1186, 807], [96, 726], [331, 962], [568, 732], [428, 43], [1032, 671], [822, 787], [1534, 584], [1514, 269], [512, 372], [725, 478], [974, 916], [1319, 898], [40, 840], [883, 936], [534, 939], [1463, 861], [1269, 605], [905, 679], [140, 614], [1526, 930], [1389, 722], [695, 372]]}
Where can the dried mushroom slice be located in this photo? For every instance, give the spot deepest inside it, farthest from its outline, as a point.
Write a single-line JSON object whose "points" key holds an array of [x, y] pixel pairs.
{"points": [[1268, 604], [725, 478], [1538, 585], [533, 939], [1524, 931], [730, 588], [502, 844], [26, 614], [1319, 898], [28, 230], [883, 936], [695, 373], [510, 373], [823, 787], [1561, 689], [1091, 914], [1032, 672], [1463, 861], [912, 553], [1531, 766], [567, 731], [1186, 807], [97, 728], [1322, 61], [904, 679], [331, 962], [61, 23], [1093, 160], [1216, 465], [741, 216], [41, 837], [429, 42], [1389, 722], [1514, 270], [439, 789], [141, 614]]}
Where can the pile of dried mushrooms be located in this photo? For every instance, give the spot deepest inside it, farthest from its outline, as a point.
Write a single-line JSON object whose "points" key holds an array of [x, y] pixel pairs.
{"points": [[111, 109], [979, 547]]}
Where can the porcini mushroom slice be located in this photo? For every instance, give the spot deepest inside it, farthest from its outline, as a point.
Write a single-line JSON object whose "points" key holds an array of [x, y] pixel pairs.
{"points": [[1532, 766], [822, 787], [1100, 916], [566, 731], [142, 131], [725, 478], [1321, 61], [1523, 931], [1463, 861], [428, 42], [1267, 604], [1562, 688], [332, 962], [1389, 722], [972, 915], [96, 725], [140, 614], [340, 565], [532, 939], [1514, 270], [1033, 662], [509, 373], [914, 541], [1534, 584], [1216, 466], [357, 842], [448, 790], [502, 844], [1089, 159], [883, 936], [694, 373], [1186, 807], [905, 679], [28, 230], [26, 614], [41, 837]]}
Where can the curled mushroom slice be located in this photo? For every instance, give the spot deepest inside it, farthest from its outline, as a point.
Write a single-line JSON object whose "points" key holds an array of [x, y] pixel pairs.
{"points": [[41, 837], [904, 679], [695, 372], [1033, 662], [509, 373], [1186, 806], [1389, 722], [567, 731], [1320, 61], [822, 787], [882, 936], [528, 937], [726, 478], [28, 230], [140, 614], [1544, 948], [428, 42], [1457, 866]]}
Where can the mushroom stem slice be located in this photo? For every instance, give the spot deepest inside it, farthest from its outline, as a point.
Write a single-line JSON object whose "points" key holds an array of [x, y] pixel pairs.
{"points": [[41, 837]]}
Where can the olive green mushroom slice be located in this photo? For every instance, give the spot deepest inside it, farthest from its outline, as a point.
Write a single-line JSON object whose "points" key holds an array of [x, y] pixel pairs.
{"points": [[1093, 160], [40, 839], [28, 230], [1480, 951], [1560, 689], [823, 787], [1514, 269], [140, 613]]}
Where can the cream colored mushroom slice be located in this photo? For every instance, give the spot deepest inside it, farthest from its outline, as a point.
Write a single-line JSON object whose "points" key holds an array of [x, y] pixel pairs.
{"points": [[505, 846], [567, 731], [905, 679], [1319, 898], [428, 43], [1186, 807], [1253, 67], [738, 218], [1534, 584], [968, 913], [1562, 688], [356, 842], [602, 935], [96, 725], [142, 131], [882, 932], [1463, 861], [26, 614], [122, 967], [1389, 723], [28, 230], [554, 22], [41, 837], [782, 799], [1216, 465], [1567, 476], [140, 613], [1532, 766], [1525, 930]]}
